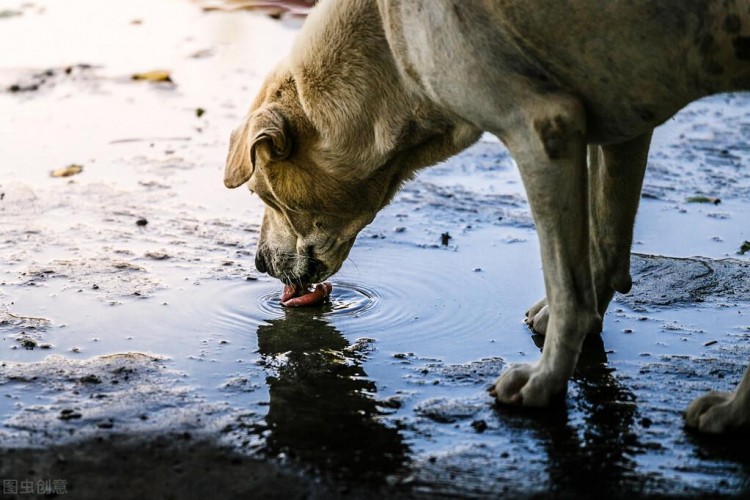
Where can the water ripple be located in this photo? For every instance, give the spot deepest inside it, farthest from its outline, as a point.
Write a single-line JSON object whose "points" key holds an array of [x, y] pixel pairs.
{"points": [[393, 297], [347, 299]]}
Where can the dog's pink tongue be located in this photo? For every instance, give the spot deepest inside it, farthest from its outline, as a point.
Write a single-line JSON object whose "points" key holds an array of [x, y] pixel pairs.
{"points": [[294, 296], [289, 292]]}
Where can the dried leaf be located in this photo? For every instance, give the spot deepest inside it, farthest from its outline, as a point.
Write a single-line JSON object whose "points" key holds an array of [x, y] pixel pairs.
{"points": [[72, 169], [153, 76], [9, 13], [703, 199], [199, 54], [274, 8]]}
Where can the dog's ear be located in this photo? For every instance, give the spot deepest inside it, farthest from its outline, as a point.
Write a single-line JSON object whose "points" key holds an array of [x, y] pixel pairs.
{"points": [[265, 131], [239, 167]]}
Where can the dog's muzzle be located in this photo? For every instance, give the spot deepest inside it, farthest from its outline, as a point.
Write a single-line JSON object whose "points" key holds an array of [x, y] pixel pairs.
{"points": [[293, 269]]}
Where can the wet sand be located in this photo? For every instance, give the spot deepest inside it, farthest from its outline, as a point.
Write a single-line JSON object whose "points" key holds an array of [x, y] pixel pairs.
{"points": [[144, 356]]}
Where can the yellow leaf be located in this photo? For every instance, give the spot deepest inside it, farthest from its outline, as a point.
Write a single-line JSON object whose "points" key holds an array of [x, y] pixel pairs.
{"points": [[153, 76], [72, 169]]}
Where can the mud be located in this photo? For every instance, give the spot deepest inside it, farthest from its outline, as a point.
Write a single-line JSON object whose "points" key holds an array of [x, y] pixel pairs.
{"points": [[144, 356], [664, 281], [166, 466]]}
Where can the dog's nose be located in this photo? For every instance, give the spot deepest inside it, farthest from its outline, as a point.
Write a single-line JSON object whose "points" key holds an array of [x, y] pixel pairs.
{"points": [[315, 269], [260, 263]]}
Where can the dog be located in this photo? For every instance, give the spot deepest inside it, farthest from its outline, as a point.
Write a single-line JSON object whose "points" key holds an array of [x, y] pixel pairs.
{"points": [[374, 90]]}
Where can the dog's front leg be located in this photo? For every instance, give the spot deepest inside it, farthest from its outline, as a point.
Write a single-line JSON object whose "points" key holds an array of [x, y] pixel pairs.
{"points": [[549, 144]]}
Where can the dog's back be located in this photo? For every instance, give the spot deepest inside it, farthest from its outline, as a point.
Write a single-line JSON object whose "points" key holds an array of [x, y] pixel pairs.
{"points": [[633, 63]]}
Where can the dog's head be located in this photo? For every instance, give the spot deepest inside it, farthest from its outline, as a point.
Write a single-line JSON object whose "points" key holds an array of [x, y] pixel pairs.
{"points": [[324, 168]]}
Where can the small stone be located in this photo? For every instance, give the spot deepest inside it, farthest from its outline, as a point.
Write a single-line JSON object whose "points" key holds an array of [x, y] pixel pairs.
{"points": [[155, 255], [479, 425], [68, 414], [90, 379]]}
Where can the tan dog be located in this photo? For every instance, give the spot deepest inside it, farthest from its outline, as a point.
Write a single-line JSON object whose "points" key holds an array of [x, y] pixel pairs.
{"points": [[374, 90]]}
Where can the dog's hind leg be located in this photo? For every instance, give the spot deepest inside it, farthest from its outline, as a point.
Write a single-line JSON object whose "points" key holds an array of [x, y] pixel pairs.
{"points": [[549, 144], [721, 412], [615, 180]]}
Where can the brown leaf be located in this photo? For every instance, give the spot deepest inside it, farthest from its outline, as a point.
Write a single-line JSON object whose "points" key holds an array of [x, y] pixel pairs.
{"points": [[71, 169], [153, 76]]}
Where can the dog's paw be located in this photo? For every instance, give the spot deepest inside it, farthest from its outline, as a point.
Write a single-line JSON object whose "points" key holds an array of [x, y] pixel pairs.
{"points": [[528, 385], [537, 317], [715, 413]]}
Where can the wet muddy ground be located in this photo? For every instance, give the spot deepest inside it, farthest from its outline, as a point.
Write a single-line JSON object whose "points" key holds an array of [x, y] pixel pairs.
{"points": [[144, 356]]}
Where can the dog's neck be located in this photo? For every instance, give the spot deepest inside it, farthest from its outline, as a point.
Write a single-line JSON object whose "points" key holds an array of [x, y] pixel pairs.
{"points": [[350, 88]]}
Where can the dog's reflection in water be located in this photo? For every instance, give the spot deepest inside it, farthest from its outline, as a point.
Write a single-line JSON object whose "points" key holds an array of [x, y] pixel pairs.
{"points": [[597, 453], [322, 408], [323, 412]]}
